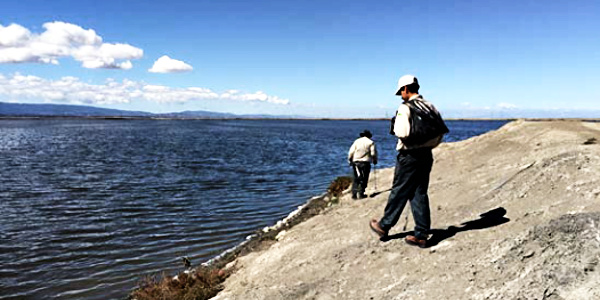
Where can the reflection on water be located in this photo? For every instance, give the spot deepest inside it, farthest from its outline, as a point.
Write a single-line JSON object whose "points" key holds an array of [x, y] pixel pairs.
{"points": [[90, 206]]}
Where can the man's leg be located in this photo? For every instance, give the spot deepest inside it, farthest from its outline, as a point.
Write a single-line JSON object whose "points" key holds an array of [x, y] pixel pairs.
{"points": [[365, 169], [403, 188], [420, 203]]}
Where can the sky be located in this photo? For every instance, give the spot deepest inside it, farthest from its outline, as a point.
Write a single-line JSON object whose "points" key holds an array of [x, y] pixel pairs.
{"points": [[309, 58]]}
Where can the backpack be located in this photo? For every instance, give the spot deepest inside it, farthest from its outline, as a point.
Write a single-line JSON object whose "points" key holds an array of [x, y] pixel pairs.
{"points": [[393, 123], [425, 124]]}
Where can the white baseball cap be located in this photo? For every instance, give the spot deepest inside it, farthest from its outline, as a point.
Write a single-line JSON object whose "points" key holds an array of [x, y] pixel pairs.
{"points": [[404, 81]]}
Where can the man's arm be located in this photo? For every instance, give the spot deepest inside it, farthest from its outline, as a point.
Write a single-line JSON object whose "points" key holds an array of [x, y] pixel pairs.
{"points": [[402, 125], [373, 150], [351, 152]]}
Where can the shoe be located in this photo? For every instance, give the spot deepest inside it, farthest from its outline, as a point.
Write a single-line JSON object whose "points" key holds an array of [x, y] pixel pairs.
{"points": [[377, 229], [362, 196], [354, 196], [414, 241]]}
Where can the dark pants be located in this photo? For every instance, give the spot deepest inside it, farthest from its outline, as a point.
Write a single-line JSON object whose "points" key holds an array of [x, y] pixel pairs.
{"points": [[411, 180], [361, 177]]}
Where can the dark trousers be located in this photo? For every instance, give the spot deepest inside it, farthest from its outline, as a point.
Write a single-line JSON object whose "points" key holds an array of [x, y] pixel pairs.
{"points": [[361, 172], [411, 180]]}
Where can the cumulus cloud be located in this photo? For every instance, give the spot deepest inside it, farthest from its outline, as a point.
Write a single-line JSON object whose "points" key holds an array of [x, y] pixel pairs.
{"points": [[13, 35], [69, 89], [59, 40], [166, 64]]}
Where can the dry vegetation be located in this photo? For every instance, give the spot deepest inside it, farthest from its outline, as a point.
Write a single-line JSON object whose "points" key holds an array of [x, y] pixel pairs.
{"points": [[202, 283], [338, 186]]}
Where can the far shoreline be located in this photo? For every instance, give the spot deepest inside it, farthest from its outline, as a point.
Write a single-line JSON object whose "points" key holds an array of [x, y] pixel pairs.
{"points": [[120, 118]]}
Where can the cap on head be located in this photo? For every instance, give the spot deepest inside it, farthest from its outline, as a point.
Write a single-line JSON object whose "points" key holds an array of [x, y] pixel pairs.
{"points": [[366, 133], [404, 81]]}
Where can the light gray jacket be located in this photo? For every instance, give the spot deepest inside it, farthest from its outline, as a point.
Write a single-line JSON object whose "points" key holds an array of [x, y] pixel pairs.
{"points": [[363, 150]]}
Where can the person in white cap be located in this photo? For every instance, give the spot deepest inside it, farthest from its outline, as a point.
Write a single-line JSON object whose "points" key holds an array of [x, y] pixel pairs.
{"points": [[413, 165], [362, 153]]}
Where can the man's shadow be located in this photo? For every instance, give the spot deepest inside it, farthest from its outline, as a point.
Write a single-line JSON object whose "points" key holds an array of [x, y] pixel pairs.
{"points": [[379, 192], [488, 219]]}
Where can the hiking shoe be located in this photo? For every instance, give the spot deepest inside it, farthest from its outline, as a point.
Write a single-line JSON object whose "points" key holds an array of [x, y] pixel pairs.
{"points": [[354, 196], [414, 241], [377, 229]]}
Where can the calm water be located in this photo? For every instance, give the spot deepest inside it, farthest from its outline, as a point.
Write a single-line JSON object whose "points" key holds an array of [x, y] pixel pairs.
{"points": [[89, 207]]}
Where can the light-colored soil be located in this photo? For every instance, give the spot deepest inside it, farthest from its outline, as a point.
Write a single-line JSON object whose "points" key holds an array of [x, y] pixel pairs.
{"points": [[545, 246]]}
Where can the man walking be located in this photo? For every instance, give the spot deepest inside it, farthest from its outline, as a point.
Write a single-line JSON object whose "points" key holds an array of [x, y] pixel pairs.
{"points": [[413, 165], [361, 154]]}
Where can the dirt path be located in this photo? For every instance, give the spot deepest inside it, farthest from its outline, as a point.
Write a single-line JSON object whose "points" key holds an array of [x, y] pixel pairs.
{"points": [[514, 215]]}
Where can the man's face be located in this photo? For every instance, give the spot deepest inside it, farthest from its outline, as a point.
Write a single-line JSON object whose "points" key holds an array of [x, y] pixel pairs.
{"points": [[403, 93]]}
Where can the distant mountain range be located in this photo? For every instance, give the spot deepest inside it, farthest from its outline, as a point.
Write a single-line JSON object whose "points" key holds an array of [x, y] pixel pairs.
{"points": [[62, 110]]}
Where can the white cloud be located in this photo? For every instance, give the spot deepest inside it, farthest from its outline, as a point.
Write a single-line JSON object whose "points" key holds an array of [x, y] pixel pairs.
{"points": [[166, 64], [59, 40], [259, 96], [13, 35], [69, 89], [505, 105]]}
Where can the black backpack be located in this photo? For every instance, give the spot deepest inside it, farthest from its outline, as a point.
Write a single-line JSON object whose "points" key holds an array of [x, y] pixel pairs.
{"points": [[425, 124]]}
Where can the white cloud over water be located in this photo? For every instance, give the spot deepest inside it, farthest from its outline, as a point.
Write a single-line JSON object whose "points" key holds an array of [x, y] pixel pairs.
{"points": [[60, 40], [166, 64], [69, 89]]}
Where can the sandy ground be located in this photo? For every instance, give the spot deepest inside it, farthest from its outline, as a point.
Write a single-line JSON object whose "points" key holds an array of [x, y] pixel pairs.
{"points": [[515, 215]]}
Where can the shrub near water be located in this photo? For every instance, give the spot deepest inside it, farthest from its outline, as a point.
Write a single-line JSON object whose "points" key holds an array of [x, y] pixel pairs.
{"points": [[339, 185], [205, 283]]}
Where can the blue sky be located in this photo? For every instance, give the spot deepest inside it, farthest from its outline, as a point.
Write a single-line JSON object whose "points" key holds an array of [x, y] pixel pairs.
{"points": [[318, 58]]}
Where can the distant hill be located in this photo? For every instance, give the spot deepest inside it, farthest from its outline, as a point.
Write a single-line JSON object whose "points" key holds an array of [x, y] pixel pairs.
{"points": [[63, 110], [60, 110]]}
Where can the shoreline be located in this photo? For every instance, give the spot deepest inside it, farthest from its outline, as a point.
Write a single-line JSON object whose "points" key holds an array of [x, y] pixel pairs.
{"points": [[315, 205], [259, 233]]}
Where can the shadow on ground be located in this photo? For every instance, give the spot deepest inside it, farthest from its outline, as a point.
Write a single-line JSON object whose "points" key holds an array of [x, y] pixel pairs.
{"points": [[379, 192], [488, 219]]}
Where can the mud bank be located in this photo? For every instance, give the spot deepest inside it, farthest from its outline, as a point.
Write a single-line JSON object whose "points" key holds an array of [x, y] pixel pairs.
{"points": [[515, 214]]}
